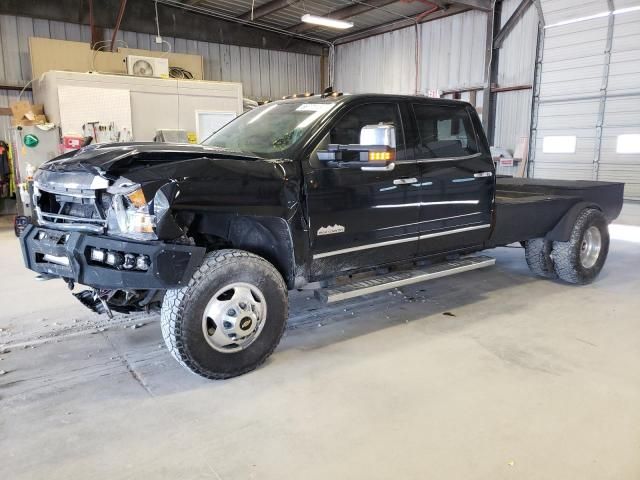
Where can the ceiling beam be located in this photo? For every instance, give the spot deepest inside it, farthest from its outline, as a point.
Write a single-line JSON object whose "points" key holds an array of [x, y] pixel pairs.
{"points": [[511, 22], [345, 13], [398, 24], [267, 9], [176, 20], [484, 5], [440, 3]]}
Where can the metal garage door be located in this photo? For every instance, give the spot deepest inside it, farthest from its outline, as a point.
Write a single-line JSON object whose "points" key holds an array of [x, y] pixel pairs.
{"points": [[620, 150], [587, 110]]}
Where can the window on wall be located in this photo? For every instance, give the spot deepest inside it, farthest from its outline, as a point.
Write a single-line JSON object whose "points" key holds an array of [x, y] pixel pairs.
{"points": [[628, 143], [559, 144], [445, 131]]}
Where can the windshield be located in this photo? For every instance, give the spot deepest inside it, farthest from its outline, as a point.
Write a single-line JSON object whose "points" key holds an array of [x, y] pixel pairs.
{"points": [[270, 130]]}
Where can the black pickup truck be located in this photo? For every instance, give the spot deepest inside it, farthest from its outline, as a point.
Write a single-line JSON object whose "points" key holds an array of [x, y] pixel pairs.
{"points": [[298, 193]]}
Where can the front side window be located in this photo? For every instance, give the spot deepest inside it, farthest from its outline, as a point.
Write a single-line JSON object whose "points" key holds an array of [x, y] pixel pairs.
{"points": [[444, 131], [346, 130]]}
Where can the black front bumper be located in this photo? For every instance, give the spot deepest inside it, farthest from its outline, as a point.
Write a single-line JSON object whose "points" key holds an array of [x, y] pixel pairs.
{"points": [[171, 266]]}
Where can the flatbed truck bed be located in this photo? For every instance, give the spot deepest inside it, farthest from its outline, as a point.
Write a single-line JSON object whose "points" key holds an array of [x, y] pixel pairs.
{"points": [[531, 208]]}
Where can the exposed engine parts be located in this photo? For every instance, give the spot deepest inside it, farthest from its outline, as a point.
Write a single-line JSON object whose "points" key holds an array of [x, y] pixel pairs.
{"points": [[121, 301]]}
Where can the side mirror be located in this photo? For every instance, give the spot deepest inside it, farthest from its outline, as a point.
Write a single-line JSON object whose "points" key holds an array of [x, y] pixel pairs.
{"points": [[377, 150]]}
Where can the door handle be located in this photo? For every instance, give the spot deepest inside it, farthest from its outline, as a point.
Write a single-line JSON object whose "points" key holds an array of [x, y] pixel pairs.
{"points": [[483, 174], [405, 181]]}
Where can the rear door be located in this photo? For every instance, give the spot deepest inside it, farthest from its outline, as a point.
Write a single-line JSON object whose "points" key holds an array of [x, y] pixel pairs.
{"points": [[361, 218], [456, 177]]}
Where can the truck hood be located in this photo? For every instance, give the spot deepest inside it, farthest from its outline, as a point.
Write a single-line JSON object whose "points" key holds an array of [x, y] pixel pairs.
{"points": [[116, 159], [179, 178]]}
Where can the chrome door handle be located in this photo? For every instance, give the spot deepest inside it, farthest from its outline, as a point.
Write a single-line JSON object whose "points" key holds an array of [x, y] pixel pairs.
{"points": [[404, 181], [483, 174]]}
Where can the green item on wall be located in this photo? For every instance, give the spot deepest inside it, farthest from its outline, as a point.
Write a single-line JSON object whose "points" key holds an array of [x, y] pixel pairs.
{"points": [[30, 140]]}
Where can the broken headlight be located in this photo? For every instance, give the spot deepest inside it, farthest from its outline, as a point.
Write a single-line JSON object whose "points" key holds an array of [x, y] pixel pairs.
{"points": [[129, 215]]}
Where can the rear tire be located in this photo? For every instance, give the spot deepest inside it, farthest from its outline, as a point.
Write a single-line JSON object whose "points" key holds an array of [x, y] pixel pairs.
{"points": [[580, 259], [537, 252], [229, 318]]}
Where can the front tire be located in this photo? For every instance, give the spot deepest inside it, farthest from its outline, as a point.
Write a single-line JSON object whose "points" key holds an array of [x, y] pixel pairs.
{"points": [[229, 318], [580, 259]]}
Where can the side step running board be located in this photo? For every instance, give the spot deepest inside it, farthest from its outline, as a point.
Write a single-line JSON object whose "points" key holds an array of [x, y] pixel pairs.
{"points": [[394, 280]]}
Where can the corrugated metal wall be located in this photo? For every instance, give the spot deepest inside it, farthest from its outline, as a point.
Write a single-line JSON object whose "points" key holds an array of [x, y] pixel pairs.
{"points": [[518, 52], [264, 73], [451, 56], [379, 64], [515, 67], [452, 52], [590, 89]]}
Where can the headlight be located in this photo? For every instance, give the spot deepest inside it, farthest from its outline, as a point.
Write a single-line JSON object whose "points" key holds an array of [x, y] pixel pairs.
{"points": [[130, 217]]}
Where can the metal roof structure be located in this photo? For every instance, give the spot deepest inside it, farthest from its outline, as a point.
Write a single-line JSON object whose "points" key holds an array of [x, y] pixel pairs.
{"points": [[368, 16]]}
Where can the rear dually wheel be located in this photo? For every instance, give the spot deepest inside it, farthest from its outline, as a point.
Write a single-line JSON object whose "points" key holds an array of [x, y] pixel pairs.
{"points": [[537, 252], [580, 259]]}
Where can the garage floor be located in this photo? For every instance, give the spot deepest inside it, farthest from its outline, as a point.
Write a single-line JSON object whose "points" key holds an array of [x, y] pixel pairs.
{"points": [[488, 375]]}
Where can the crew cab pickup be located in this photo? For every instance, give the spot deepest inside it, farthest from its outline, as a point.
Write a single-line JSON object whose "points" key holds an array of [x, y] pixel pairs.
{"points": [[298, 193]]}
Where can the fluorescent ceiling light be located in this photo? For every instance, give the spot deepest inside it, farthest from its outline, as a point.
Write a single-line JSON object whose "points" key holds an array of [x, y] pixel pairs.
{"points": [[326, 22]]}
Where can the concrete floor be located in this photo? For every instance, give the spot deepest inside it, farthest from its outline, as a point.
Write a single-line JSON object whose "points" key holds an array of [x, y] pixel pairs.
{"points": [[492, 374]]}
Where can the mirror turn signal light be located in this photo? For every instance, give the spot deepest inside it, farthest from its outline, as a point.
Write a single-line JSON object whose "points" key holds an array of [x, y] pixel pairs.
{"points": [[385, 156]]}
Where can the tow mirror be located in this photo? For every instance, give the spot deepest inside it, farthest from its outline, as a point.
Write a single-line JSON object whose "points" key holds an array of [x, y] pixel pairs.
{"points": [[377, 150]]}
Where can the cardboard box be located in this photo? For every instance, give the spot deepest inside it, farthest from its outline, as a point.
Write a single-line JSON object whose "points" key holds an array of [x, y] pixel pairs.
{"points": [[24, 113]]}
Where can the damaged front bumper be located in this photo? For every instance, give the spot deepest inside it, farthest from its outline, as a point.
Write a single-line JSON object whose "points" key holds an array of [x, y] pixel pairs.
{"points": [[67, 255]]}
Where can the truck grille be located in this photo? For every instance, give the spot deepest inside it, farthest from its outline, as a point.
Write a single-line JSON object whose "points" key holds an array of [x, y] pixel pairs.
{"points": [[72, 209]]}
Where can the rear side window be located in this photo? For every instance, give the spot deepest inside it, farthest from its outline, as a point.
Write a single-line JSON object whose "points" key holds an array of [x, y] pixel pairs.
{"points": [[444, 131]]}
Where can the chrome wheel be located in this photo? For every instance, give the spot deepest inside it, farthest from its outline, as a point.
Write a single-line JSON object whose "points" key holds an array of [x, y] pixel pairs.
{"points": [[590, 247], [234, 317]]}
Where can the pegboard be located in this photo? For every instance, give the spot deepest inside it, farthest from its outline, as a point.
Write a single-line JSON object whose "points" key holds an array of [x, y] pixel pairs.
{"points": [[81, 105]]}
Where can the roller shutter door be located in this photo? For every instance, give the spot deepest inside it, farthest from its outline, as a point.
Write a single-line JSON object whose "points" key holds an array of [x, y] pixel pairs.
{"points": [[588, 94]]}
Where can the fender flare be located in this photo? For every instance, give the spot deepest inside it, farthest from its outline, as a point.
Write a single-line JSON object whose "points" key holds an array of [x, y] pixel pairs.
{"points": [[268, 236], [562, 230]]}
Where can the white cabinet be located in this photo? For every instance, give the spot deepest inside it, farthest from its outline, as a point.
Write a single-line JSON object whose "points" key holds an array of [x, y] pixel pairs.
{"points": [[156, 103]]}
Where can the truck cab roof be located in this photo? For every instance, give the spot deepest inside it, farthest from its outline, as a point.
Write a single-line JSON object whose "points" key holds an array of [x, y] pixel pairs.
{"points": [[346, 98]]}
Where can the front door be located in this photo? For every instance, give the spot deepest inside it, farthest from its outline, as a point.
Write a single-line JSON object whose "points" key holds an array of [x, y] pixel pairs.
{"points": [[361, 218], [457, 178]]}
